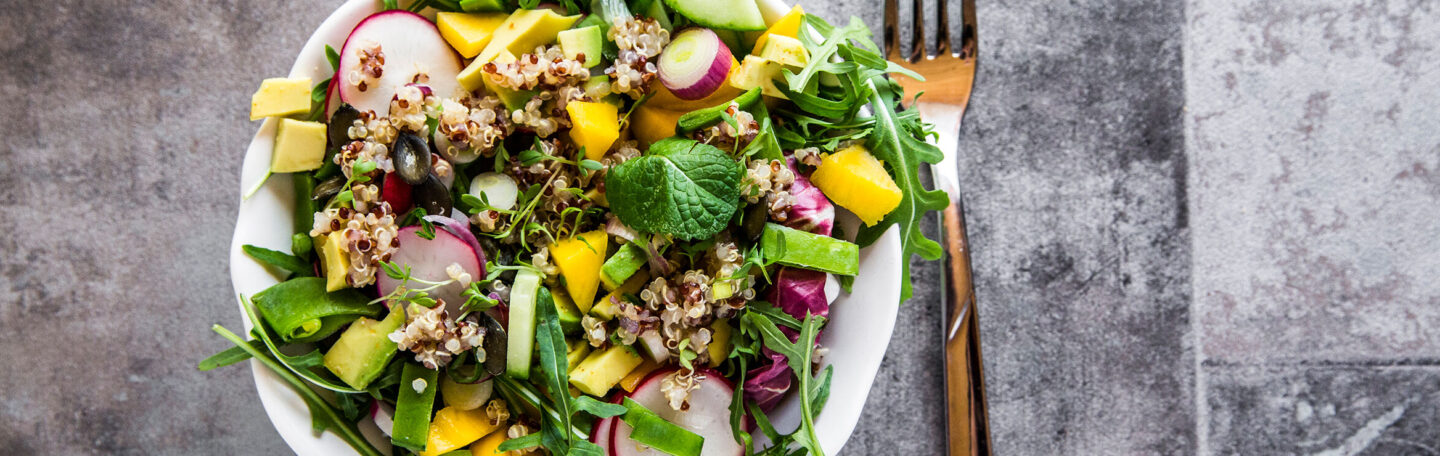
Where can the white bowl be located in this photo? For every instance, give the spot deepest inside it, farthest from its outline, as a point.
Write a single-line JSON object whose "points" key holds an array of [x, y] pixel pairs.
{"points": [[857, 334]]}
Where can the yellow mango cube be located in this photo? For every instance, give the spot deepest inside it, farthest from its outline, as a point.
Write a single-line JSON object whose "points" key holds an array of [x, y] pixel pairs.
{"points": [[719, 347], [489, 445], [854, 179], [595, 126], [606, 308], [579, 259], [788, 25], [334, 259], [632, 380], [524, 30], [468, 33], [453, 428], [650, 124], [279, 97]]}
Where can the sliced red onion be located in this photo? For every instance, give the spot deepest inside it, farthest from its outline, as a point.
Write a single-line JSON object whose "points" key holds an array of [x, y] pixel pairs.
{"points": [[695, 63]]}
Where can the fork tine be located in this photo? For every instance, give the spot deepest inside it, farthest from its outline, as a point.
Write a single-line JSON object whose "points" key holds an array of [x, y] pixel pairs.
{"points": [[942, 40], [892, 30], [917, 32]]}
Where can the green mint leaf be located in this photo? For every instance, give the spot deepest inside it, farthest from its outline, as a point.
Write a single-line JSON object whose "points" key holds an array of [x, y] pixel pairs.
{"points": [[682, 188]]}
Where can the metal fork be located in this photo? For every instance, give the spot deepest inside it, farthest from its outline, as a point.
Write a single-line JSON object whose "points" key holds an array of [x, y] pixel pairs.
{"points": [[949, 78]]}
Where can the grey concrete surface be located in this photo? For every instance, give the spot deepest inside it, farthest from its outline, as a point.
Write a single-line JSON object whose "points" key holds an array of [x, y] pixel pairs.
{"points": [[1198, 227]]}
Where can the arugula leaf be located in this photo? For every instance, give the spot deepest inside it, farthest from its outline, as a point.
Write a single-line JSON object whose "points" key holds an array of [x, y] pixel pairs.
{"points": [[682, 188], [550, 343], [323, 415], [229, 356], [893, 143], [333, 57], [279, 260], [798, 355], [520, 443]]}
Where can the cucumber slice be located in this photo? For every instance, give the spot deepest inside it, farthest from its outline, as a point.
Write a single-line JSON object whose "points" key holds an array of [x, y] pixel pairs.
{"points": [[521, 332], [741, 15], [792, 247]]}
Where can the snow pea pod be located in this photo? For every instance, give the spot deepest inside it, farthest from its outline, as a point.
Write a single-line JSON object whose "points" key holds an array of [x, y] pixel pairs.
{"points": [[412, 409], [300, 310], [695, 120]]}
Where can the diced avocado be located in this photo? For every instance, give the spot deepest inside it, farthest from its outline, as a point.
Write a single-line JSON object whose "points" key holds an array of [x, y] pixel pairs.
{"points": [[468, 33], [579, 258], [602, 370], [521, 330], [523, 31], [473, 78], [605, 308], [743, 15], [279, 97], [587, 41], [299, 146], [620, 266], [793, 247], [757, 72], [579, 349], [333, 259], [359, 356], [568, 313], [719, 347], [785, 51], [471, 6]]}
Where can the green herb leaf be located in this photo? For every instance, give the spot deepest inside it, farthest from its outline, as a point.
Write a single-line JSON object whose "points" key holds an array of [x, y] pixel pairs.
{"points": [[682, 188], [280, 260], [903, 153], [550, 343], [520, 443], [299, 365], [333, 57], [230, 356]]}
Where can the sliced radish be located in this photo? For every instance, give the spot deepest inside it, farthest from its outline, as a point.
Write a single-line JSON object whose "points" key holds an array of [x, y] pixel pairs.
{"points": [[384, 417], [462, 230], [410, 44], [498, 189], [428, 258], [695, 64], [708, 416]]}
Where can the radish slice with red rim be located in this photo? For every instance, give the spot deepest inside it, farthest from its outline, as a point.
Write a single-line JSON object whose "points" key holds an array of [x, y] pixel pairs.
{"points": [[695, 63], [410, 43], [708, 415], [428, 259]]}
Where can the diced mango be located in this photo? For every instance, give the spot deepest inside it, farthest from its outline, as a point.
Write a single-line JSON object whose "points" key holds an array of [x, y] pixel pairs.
{"points": [[719, 347], [453, 428], [579, 259], [595, 126], [652, 123], [523, 31], [788, 25], [299, 146], [632, 380], [757, 72], [603, 370], [468, 33], [488, 446], [578, 351], [854, 179], [334, 259], [280, 97], [605, 308]]}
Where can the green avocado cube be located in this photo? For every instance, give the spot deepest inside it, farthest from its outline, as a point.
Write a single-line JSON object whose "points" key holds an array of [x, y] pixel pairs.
{"points": [[360, 354], [299, 146], [585, 40]]}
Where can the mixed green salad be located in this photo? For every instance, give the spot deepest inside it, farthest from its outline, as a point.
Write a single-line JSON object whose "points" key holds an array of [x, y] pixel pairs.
{"points": [[568, 228]]}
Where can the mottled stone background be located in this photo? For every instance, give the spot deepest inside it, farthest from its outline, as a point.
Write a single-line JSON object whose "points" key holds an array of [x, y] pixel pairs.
{"points": [[1199, 227]]}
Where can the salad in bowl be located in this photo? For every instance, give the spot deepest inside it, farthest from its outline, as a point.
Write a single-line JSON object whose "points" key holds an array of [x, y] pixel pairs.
{"points": [[611, 228]]}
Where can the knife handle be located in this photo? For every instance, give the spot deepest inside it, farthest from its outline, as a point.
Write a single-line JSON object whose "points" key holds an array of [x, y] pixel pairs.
{"points": [[968, 431]]}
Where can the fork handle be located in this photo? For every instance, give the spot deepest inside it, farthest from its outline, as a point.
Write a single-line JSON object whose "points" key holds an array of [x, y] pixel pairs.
{"points": [[966, 415]]}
